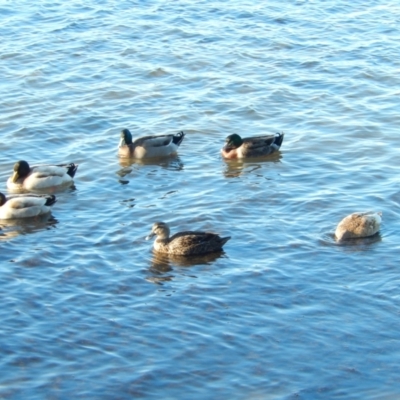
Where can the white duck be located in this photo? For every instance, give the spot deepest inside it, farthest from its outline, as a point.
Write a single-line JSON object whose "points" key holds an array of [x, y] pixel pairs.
{"points": [[148, 146], [41, 177], [25, 205]]}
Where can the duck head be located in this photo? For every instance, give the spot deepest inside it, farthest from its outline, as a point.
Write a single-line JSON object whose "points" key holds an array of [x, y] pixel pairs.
{"points": [[21, 170], [233, 142], [125, 138], [2, 199], [159, 229]]}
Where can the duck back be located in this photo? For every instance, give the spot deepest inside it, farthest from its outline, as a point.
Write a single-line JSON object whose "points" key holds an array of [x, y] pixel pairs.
{"points": [[191, 243]]}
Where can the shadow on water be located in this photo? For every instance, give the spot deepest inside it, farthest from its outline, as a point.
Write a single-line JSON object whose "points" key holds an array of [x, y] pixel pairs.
{"points": [[172, 163], [162, 264], [235, 168], [10, 228], [351, 245]]}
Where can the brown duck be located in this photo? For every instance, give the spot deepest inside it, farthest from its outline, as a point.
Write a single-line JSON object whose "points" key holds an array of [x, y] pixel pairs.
{"points": [[187, 243]]}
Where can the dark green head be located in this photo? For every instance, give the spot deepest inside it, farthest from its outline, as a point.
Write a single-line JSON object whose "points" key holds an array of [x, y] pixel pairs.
{"points": [[233, 142], [2, 199], [21, 170], [126, 138]]}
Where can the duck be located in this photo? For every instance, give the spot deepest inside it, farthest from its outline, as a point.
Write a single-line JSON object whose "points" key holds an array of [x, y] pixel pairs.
{"points": [[188, 243], [41, 177], [257, 146], [149, 146], [25, 205], [358, 225]]}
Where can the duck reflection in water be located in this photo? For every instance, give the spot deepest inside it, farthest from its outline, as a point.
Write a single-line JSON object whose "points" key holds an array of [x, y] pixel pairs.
{"points": [[355, 245], [172, 163], [128, 165], [236, 167], [13, 228], [162, 265]]}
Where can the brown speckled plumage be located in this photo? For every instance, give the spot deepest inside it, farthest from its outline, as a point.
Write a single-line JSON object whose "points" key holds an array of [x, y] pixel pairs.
{"points": [[185, 243], [358, 225]]}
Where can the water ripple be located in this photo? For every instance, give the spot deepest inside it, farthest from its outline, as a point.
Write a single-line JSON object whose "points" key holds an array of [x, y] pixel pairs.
{"points": [[90, 310]]}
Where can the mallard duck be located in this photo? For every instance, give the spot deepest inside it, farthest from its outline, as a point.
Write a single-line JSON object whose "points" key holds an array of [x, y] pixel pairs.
{"points": [[358, 225], [258, 146], [149, 146], [25, 206], [41, 176], [185, 243]]}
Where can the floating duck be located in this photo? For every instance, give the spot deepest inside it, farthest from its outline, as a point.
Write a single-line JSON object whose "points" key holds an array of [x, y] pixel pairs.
{"points": [[41, 177], [258, 146], [149, 146], [25, 205], [358, 225], [187, 243]]}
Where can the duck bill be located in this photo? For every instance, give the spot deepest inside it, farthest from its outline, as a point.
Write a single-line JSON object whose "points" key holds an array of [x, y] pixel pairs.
{"points": [[227, 148], [121, 142], [150, 236], [15, 177]]}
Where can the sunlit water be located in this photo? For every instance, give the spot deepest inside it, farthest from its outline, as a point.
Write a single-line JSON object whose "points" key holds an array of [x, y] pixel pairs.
{"points": [[88, 311]]}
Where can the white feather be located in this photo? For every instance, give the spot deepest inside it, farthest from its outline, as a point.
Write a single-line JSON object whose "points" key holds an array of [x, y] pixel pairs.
{"points": [[24, 206], [41, 177]]}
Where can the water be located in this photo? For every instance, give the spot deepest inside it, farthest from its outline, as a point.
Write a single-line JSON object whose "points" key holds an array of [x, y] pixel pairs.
{"points": [[285, 312]]}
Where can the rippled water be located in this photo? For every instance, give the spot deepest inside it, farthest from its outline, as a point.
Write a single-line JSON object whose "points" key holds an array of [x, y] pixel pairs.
{"points": [[285, 312]]}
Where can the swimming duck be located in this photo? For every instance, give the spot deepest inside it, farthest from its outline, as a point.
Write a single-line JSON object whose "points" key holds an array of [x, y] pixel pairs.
{"points": [[41, 176], [187, 243], [358, 225], [258, 146], [25, 206], [149, 146]]}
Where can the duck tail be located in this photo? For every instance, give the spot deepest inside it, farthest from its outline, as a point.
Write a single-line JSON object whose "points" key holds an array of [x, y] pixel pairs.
{"points": [[71, 169], [224, 240], [177, 139], [50, 200], [279, 139]]}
